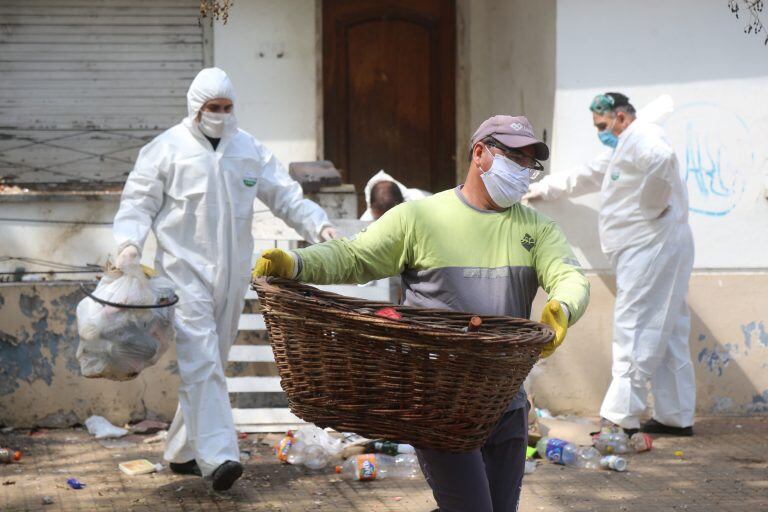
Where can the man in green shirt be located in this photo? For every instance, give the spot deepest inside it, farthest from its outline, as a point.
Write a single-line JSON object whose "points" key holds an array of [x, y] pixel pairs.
{"points": [[476, 249]]}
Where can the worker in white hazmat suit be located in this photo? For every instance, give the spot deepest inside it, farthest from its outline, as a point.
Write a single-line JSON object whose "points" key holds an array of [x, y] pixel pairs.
{"points": [[383, 192], [194, 185], [644, 231]]}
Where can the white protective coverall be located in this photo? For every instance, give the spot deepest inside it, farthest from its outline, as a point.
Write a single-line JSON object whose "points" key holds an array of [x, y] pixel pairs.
{"points": [[409, 194], [199, 203], [644, 231]]}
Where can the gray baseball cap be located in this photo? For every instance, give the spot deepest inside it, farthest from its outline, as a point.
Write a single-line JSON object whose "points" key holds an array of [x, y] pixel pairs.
{"points": [[513, 132]]}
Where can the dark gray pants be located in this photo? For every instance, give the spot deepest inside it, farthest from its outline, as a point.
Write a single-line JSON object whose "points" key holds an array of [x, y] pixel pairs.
{"points": [[485, 480]]}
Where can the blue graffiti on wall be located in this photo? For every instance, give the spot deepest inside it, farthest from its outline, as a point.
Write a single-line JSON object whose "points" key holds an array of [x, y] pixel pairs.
{"points": [[716, 156]]}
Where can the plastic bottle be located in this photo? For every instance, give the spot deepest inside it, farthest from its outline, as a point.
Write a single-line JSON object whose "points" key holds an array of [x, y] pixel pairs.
{"points": [[385, 447], [315, 457], [612, 442], [614, 462], [641, 442], [568, 454], [283, 447], [377, 466], [7, 455]]}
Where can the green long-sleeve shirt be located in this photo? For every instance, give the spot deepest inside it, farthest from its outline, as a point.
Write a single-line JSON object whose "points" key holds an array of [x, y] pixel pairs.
{"points": [[452, 255]]}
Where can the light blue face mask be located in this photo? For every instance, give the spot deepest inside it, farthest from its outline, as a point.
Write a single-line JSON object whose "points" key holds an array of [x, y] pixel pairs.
{"points": [[608, 138]]}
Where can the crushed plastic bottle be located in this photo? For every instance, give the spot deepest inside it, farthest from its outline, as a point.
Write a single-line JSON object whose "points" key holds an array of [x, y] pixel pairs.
{"points": [[641, 442], [377, 466], [568, 454], [310, 445], [608, 442], [614, 462]]}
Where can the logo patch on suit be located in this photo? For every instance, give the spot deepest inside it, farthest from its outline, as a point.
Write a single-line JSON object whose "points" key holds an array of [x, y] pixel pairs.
{"points": [[249, 180], [528, 242]]}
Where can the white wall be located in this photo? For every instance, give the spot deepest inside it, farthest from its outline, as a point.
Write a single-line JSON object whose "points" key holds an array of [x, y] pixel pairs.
{"points": [[505, 65], [696, 51], [268, 49]]}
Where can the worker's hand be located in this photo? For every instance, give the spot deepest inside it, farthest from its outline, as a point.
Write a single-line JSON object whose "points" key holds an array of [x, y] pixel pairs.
{"points": [[275, 262], [128, 257], [555, 316], [328, 233], [534, 192]]}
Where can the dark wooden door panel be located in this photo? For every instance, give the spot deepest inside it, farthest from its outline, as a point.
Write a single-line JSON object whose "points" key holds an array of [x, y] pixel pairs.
{"points": [[389, 90]]}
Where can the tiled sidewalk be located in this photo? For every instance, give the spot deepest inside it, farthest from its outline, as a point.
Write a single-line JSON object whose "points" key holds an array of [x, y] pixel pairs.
{"points": [[723, 468]]}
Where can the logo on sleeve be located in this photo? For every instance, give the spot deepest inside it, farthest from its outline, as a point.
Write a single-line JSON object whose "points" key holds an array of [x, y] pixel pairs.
{"points": [[528, 242]]}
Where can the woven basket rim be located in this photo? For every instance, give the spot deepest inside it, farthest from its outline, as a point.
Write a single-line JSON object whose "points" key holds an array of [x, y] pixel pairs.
{"points": [[405, 324]]}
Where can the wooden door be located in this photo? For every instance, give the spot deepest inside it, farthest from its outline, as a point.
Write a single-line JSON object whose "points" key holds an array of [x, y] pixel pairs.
{"points": [[389, 90]]}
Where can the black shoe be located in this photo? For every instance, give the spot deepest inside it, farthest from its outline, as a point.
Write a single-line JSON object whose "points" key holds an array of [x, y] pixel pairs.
{"points": [[226, 474], [654, 427], [186, 468]]}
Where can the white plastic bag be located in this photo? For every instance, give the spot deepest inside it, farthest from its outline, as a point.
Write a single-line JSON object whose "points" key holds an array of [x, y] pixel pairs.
{"points": [[100, 427], [118, 343]]}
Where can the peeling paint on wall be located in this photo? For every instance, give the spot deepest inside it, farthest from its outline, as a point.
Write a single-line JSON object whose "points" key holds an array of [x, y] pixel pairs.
{"points": [[715, 359], [754, 331], [759, 403], [29, 354]]}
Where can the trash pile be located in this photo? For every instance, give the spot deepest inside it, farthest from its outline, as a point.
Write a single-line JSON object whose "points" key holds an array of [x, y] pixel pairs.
{"points": [[581, 443], [352, 456]]}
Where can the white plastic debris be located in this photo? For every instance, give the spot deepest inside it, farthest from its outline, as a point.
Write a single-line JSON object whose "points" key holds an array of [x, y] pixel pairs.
{"points": [[102, 428]]}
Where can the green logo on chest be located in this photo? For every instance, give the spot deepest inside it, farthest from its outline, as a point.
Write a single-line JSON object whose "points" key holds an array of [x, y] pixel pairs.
{"points": [[249, 182]]}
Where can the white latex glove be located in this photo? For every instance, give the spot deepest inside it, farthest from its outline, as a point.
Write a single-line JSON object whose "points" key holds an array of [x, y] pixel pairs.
{"points": [[534, 192], [328, 233], [127, 257]]}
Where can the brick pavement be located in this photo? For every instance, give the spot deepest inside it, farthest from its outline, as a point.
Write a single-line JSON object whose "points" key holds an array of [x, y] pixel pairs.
{"points": [[723, 468]]}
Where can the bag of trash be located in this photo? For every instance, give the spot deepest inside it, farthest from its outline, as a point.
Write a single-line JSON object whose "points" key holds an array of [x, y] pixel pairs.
{"points": [[119, 342]]}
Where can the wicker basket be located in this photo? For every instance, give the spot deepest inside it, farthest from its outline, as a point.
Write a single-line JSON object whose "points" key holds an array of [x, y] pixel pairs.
{"points": [[420, 379]]}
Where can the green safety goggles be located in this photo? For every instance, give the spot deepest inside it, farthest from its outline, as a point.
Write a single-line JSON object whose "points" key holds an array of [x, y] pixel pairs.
{"points": [[602, 104]]}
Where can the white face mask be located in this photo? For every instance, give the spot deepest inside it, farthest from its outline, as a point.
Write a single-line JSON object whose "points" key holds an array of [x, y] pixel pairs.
{"points": [[506, 181], [215, 124]]}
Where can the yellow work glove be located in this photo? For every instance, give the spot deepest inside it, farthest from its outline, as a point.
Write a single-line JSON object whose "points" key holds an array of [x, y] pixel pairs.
{"points": [[554, 316], [274, 262]]}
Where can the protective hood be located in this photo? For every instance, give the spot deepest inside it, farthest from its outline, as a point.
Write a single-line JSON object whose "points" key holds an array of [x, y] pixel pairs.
{"points": [[379, 177], [409, 194], [210, 83]]}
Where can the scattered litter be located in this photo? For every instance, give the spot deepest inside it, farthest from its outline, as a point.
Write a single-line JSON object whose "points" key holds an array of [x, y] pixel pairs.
{"points": [[7, 455], [47, 500], [614, 462], [310, 446], [179, 489], [9, 482], [8, 430], [138, 467], [376, 446], [530, 466], [75, 484], [148, 427], [678, 453], [157, 438], [398, 498], [102, 428], [543, 413], [245, 455], [242, 435]]}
